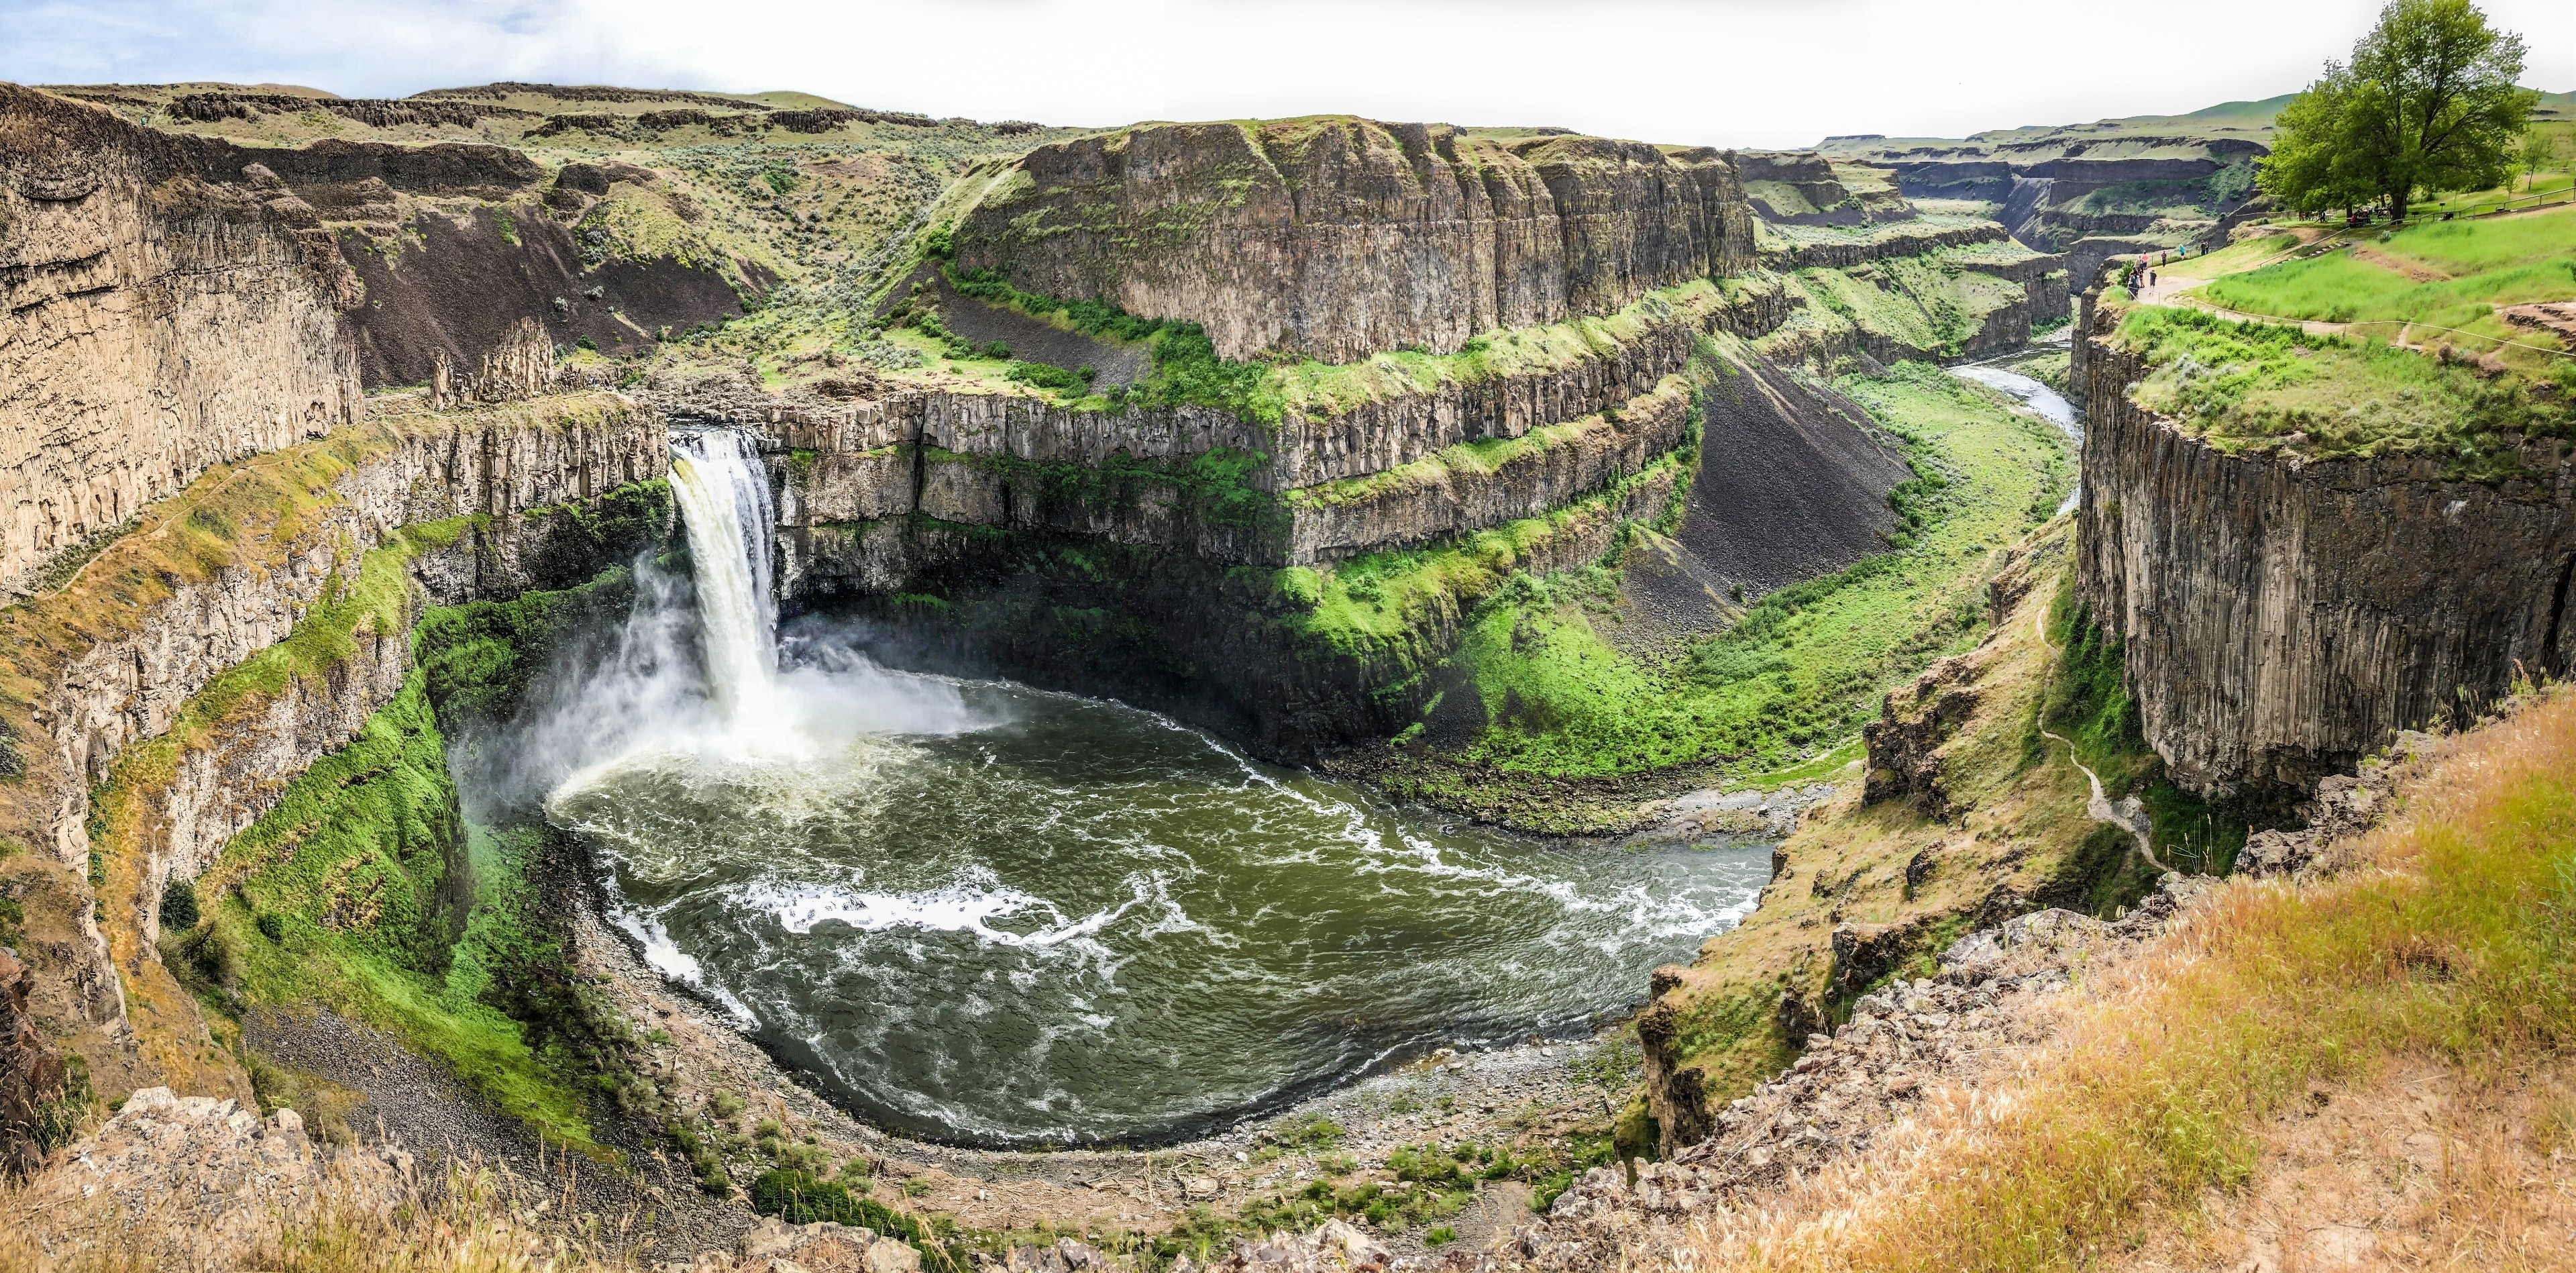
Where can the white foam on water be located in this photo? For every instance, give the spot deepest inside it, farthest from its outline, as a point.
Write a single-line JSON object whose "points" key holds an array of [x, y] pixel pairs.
{"points": [[664, 956], [956, 908]]}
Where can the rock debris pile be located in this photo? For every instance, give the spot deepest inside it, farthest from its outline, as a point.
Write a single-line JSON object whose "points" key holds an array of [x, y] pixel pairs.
{"points": [[775, 1246], [1901, 1042]]}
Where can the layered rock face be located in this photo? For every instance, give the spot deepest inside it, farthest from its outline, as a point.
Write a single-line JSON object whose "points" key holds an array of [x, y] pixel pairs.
{"points": [[1800, 187], [2043, 182], [121, 674], [1337, 238], [206, 583], [2282, 619], [155, 324], [998, 462]]}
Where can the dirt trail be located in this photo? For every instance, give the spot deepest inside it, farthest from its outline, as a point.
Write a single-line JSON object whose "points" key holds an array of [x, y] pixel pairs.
{"points": [[2129, 815]]}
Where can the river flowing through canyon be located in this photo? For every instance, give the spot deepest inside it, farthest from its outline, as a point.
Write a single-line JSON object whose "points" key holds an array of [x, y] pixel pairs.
{"points": [[988, 913], [2051, 405]]}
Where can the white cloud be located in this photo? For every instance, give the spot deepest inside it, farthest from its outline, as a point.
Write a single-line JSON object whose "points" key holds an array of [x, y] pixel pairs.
{"points": [[1727, 72]]}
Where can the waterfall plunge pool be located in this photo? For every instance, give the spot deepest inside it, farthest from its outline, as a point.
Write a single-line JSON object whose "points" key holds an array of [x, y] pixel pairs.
{"points": [[985, 913]]}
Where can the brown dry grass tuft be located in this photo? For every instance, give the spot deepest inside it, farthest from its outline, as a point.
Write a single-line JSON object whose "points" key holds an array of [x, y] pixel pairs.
{"points": [[468, 1220], [2160, 1105]]}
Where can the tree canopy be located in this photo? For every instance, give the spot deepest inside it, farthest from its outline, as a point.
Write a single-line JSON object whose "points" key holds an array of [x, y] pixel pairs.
{"points": [[2428, 102]]}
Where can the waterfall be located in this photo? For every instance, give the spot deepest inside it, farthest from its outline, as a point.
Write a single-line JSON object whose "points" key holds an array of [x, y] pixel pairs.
{"points": [[723, 494]]}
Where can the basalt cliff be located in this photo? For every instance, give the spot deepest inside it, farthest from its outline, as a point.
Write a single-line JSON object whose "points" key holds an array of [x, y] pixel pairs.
{"points": [[2283, 617], [1339, 238]]}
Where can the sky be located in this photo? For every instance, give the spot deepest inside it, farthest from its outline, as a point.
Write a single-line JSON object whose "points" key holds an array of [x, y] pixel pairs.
{"points": [[1712, 72]]}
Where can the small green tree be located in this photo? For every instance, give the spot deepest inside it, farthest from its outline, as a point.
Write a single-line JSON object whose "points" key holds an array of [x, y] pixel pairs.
{"points": [[2428, 102], [2538, 150], [179, 906]]}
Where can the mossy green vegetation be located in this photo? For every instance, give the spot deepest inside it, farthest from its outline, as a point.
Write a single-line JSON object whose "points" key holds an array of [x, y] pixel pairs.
{"points": [[1385, 598], [1334, 388], [482, 660], [1933, 305], [1186, 370], [1793, 678], [1433, 1182], [361, 889], [364, 890], [2087, 703], [2440, 273], [2251, 386], [2008, 821], [800, 1197], [1213, 484]]}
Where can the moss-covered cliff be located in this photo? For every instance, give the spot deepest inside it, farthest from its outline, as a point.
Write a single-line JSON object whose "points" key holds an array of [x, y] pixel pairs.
{"points": [[1339, 237]]}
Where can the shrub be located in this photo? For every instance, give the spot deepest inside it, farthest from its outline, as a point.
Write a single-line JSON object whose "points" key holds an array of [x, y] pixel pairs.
{"points": [[1050, 376], [798, 1198], [273, 926], [179, 906]]}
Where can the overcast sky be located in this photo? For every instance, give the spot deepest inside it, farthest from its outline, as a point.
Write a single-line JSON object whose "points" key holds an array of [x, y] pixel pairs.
{"points": [[1722, 72]]}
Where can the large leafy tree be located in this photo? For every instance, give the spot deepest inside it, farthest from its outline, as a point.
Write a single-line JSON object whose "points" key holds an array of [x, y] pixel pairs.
{"points": [[2315, 160], [2428, 102]]}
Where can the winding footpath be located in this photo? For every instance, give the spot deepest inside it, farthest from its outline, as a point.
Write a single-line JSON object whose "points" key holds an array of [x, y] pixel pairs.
{"points": [[2127, 815]]}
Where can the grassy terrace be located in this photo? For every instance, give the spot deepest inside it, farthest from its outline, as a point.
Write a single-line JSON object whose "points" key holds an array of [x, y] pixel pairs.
{"points": [[1480, 458], [2252, 386], [1790, 683], [2442, 274], [1186, 370]]}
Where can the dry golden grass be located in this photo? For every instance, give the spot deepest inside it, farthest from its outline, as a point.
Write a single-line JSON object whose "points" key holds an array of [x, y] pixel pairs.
{"points": [[2164, 1098], [2424, 1167], [470, 1220]]}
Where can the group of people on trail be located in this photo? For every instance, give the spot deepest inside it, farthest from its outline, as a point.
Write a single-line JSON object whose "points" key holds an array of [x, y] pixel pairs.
{"points": [[2142, 272]]}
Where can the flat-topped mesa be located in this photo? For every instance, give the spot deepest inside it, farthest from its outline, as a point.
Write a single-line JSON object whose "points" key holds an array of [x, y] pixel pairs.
{"points": [[1338, 238]]}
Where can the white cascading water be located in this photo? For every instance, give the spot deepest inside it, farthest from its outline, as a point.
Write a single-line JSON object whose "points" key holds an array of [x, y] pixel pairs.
{"points": [[723, 494]]}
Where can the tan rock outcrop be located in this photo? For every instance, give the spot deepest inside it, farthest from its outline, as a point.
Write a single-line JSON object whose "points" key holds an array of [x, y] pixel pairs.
{"points": [[1338, 237], [154, 325], [118, 672], [194, 1182]]}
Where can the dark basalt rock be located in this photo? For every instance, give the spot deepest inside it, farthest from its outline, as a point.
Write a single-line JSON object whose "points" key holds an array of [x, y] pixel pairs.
{"points": [[2283, 618]]}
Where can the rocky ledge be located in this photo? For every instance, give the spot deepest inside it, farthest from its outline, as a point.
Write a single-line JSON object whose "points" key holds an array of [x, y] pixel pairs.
{"points": [[193, 1182]]}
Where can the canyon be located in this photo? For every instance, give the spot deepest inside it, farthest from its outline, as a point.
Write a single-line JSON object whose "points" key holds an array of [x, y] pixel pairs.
{"points": [[355, 483]]}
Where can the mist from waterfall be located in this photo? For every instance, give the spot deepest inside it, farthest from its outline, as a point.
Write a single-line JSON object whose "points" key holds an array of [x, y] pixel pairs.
{"points": [[696, 667]]}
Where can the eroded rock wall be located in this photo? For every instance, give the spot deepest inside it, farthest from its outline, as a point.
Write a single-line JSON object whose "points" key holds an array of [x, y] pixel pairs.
{"points": [[1338, 237], [120, 672], [154, 324], [2282, 619], [985, 476]]}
